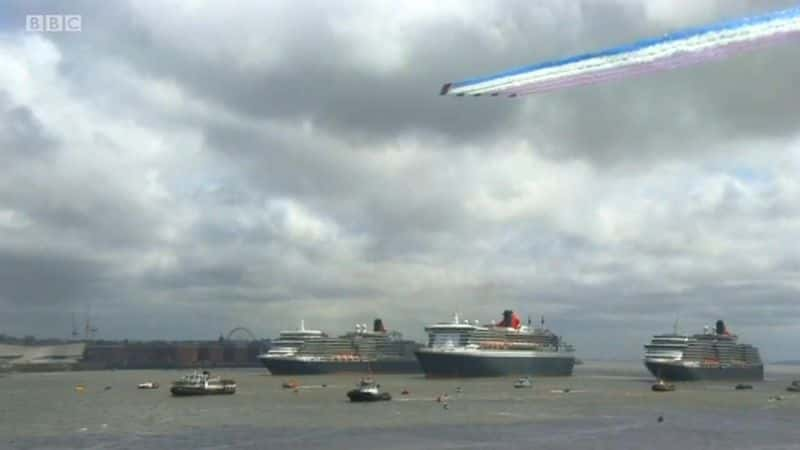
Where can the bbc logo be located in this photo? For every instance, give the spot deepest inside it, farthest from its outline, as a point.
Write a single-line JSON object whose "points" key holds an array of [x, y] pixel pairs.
{"points": [[53, 23]]}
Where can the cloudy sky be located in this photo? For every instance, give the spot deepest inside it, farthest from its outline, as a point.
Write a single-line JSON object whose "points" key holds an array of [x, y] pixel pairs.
{"points": [[182, 168]]}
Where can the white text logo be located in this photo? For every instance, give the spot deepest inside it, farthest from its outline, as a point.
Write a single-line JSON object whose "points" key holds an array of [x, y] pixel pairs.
{"points": [[53, 23]]}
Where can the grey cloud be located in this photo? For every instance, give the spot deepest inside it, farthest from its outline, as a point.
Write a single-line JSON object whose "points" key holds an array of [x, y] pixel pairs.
{"points": [[47, 279], [21, 133], [668, 115], [84, 207], [315, 84]]}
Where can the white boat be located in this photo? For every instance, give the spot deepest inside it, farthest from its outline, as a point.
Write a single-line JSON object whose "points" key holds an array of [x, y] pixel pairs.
{"points": [[148, 385], [524, 382], [202, 384]]}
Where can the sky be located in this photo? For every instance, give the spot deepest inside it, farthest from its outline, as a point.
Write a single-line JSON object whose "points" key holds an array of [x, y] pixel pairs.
{"points": [[177, 169]]}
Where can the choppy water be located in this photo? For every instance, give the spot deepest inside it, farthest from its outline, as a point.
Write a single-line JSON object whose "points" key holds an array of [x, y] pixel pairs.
{"points": [[610, 406]]}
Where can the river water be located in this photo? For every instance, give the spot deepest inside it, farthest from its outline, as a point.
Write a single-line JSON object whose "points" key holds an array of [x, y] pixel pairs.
{"points": [[608, 406]]}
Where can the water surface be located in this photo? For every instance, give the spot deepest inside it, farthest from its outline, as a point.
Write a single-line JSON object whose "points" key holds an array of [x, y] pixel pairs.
{"points": [[609, 405]]}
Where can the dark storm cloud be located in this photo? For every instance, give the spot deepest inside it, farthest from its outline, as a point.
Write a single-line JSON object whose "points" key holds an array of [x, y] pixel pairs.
{"points": [[281, 163], [673, 115], [338, 181], [314, 83], [51, 280], [21, 133], [85, 206], [748, 96]]}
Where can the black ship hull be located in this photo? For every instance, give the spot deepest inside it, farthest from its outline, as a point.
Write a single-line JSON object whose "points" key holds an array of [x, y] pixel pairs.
{"points": [[289, 366], [186, 391], [454, 364], [675, 372]]}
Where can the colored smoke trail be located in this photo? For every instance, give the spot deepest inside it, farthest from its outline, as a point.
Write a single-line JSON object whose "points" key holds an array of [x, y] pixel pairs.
{"points": [[672, 51], [656, 66]]}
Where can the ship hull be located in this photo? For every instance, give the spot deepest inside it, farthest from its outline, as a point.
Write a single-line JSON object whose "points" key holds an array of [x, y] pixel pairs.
{"points": [[358, 396], [676, 372], [290, 366], [186, 391], [473, 364]]}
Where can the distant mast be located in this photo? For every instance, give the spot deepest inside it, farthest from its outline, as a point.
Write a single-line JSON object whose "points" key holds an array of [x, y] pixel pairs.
{"points": [[74, 328], [89, 331]]}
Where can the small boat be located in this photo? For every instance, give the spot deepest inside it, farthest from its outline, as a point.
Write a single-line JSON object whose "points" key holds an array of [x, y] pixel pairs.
{"points": [[794, 387], [561, 391], [202, 384], [663, 387], [743, 387], [368, 391], [524, 382], [291, 384], [148, 385], [405, 392]]}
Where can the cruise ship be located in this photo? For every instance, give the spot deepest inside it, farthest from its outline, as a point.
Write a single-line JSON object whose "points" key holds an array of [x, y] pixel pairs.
{"points": [[307, 352], [505, 348], [713, 355], [290, 341]]}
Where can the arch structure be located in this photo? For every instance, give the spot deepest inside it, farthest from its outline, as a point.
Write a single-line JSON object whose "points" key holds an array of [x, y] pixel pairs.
{"points": [[241, 330]]}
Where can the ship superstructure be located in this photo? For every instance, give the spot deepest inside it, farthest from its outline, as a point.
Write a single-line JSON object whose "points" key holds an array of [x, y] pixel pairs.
{"points": [[715, 354], [359, 351], [468, 349], [289, 341]]}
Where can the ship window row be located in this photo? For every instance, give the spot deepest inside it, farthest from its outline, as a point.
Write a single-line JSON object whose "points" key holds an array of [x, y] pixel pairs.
{"points": [[669, 341], [671, 346]]}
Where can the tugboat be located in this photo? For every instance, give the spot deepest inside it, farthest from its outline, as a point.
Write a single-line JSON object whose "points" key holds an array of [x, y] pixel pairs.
{"points": [[202, 384], [663, 387], [148, 385], [524, 382], [368, 391]]}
